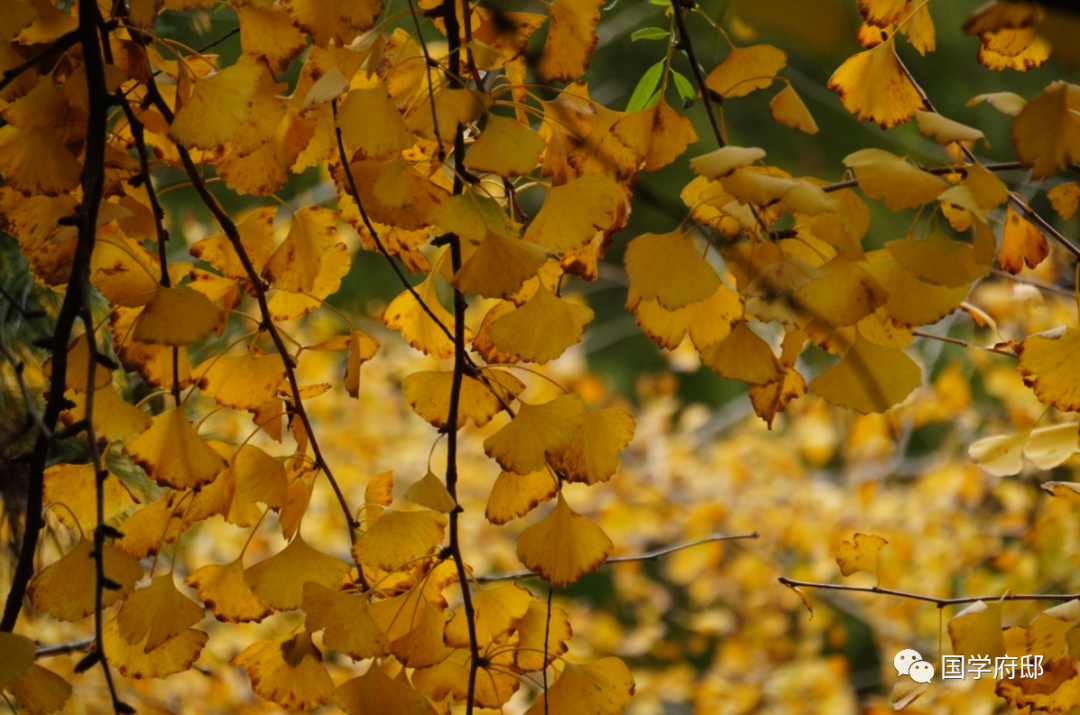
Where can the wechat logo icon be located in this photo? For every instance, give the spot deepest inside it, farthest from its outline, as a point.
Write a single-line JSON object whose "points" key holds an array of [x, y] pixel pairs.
{"points": [[908, 662]]}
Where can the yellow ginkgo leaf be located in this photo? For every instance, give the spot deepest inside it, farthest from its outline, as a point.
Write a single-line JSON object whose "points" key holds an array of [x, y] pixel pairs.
{"points": [[746, 69], [280, 579], [537, 430], [428, 393], [574, 212], [1065, 198], [380, 489], [603, 687], [216, 107], [157, 613], [860, 554], [945, 130], [41, 691], [495, 610], [1021, 243], [176, 317], [499, 266], [35, 161], [593, 456], [788, 108], [1005, 102], [872, 85], [514, 495], [1045, 447], [1019, 49], [143, 529], [295, 264], [398, 537], [757, 185], [938, 259], [1049, 447], [657, 135], [976, 631], [665, 267], [348, 626], [1046, 364], [133, 661], [882, 13], [564, 546], [535, 629], [506, 147], [269, 33], [1063, 490], [721, 162], [452, 107], [376, 693], [287, 671], [65, 589], [570, 40], [906, 691], [256, 236], [395, 193], [420, 329], [414, 626], [844, 295], [173, 453], [495, 682], [114, 419], [542, 329], [222, 588], [1046, 132], [75, 486], [259, 477], [869, 378], [16, 657], [882, 175], [471, 215], [743, 356], [912, 301], [242, 382], [362, 347], [430, 491], [371, 124], [1000, 455]]}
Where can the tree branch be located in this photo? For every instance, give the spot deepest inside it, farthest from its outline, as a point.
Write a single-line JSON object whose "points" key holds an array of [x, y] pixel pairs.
{"points": [[687, 46], [940, 602], [61, 43]]}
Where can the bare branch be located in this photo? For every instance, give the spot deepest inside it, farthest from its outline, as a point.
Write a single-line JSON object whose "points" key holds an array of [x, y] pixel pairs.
{"points": [[940, 602]]}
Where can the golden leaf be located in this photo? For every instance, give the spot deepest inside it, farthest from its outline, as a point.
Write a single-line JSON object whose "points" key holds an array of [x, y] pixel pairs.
{"points": [[287, 671], [603, 687], [537, 430], [872, 85], [348, 626], [861, 554], [564, 546]]}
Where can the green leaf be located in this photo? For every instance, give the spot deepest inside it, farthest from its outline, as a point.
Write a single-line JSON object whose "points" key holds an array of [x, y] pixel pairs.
{"points": [[685, 89], [661, 3], [649, 33], [646, 88]]}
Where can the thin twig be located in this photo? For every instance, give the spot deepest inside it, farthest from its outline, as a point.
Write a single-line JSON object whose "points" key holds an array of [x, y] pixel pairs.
{"points": [[964, 343], [631, 558], [59, 45], [940, 602], [64, 648], [687, 46]]}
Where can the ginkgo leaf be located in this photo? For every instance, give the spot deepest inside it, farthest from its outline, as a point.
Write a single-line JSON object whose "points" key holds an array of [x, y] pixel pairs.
{"points": [[1048, 447], [757, 185], [398, 537], [133, 661], [176, 317], [537, 430], [746, 69], [658, 135], [844, 295], [268, 33], [505, 147], [564, 546], [906, 691], [295, 264], [1065, 198], [1019, 49], [280, 579], [593, 456], [113, 418], [514, 495], [938, 259], [430, 491], [222, 588], [414, 626], [287, 671], [35, 161], [976, 631], [380, 489], [216, 107], [495, 610], [570, 40], [157, 613], [41, 691], [242, 382], [259, 477], [65, 588], [537, 630], [1021, 243], [376, 693], [603, 687], [860, 554], [16, 657], [1046, 132], [1045, 447], [869, 378], [665, 267], [872, 85], [75, 486], [542, 329], [173, 453], [499, 266], [371, 124], [406, 315], [1063, 490], [144, 529], [1046, 366], [882, 175], [472, 215], [256, 236], [912, 301], [743, 356], [1008, 103], [348, 626], [945, 130], [395, 193], [788, 108], [721, 162], [574, 212], [428, 393]]}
